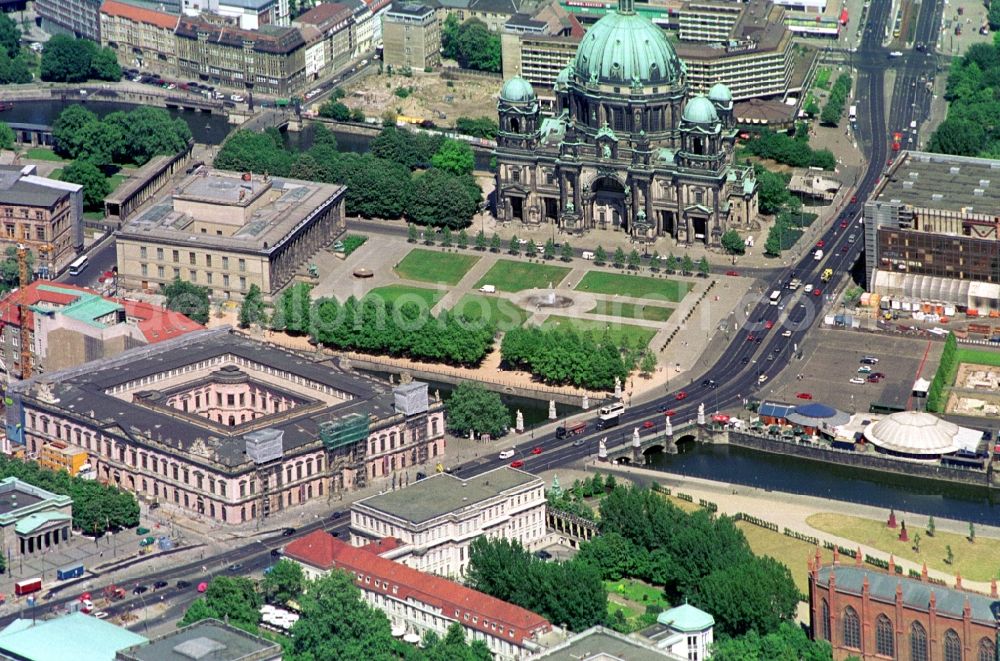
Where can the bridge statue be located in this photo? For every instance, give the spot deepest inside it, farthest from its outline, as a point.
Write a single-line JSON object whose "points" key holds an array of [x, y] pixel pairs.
{"points": [[701, 414], [618, 388], [602, 449], [519, 422], [635, 438], [668, 429]]}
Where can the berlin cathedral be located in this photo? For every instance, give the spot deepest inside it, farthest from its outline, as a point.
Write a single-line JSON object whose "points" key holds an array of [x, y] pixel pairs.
{"points": [[626, 147]]}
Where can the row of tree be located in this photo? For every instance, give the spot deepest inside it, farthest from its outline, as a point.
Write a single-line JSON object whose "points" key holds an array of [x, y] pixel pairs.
{"points": [[70, 60], [119, 137], [562, 356], [633, 261], [471, 44], [473, 408], [794, 151], [375, 325], [971, 128], [937, 393], [834, 108], [334, 622], [380, 183], [96, 507]]}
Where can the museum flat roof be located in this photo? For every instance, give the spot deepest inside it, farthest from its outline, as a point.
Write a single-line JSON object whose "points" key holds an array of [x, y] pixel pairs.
{"points": [[207, 640], [941, 181], [443, 493], [77, 636]]}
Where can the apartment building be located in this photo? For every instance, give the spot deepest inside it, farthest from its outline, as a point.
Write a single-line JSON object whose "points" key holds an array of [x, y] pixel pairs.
{"points": [[537, 46], [711, 22], [435, 519], [411, 36], [44, 214], [141, 38], [248, 14], [416, 602], [228, 231], [78, 18], [334, 48]]}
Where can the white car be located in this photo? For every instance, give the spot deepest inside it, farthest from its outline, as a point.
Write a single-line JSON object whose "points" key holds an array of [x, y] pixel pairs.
{"points": [[857, 380], [864, 369], [786, 333], [506, 454], [808, 288], [172, 86], [762, 378], [100, 615], [236, 98]]}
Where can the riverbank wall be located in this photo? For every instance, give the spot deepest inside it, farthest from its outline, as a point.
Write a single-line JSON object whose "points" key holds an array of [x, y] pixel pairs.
{"points": [[868, 461]]}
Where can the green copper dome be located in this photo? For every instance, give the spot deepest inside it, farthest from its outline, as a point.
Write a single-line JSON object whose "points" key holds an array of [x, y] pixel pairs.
{"points": [[517, 90], [626, 49], [700, 110], [720, 93]]}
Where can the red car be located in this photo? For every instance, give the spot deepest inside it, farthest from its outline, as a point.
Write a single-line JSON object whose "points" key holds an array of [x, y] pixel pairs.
{"points": [[854, 198], [820, 243], [768, 324], [817, 292], [804, 395], [843, 225], [681, 395], [648, 424], [517, 463], [750, 337], [106, 277], [536, 451], [669, 413], [845, 248], [732, 272]]}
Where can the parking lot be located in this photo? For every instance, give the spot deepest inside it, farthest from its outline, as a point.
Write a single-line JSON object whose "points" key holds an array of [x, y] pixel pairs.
{"points": [[831, 358]]}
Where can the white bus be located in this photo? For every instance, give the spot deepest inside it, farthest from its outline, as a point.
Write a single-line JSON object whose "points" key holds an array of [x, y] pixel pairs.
{"points": [[775, 297], [610, 415], [78, 265]]}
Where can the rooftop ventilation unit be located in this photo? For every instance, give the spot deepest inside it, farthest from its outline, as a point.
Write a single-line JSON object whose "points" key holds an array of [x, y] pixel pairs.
{"points": [[937, 197], [978, 192], [954, 169], [908, 185], [984, 183]]}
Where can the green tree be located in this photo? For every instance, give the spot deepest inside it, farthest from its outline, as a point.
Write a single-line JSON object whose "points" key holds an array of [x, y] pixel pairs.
{"points": [[812, 106], [618, 261], [756, 595], [495, 243], [452, 647], [441, 199], [336, 624], [788, 643], [10, 36], [732, 243], [772, 190], [949, 557], [634, 260], [703, 267], [531, 249], [411, 232], [233, 599], [188, 299], [687, 265], [473, 407], [406, 148], [16, 70], [198, 610], [455, 157], [479, 127], [772, 245], [654, 262], [930, 526], [104, 65], [648, 364], [972, 531], [96, 186], [600, 256], [670, 264], [252, 308], [471, 44], [335, 110], [253, 151], [67, 60], [7, 137], [566, 252], [958, 136], [445, 237], [916, 542], [293, 310], [67, 130], [463, 239], [100, 143], [284, 582], [514, 247], [481, 240], [549, 251], [993, 16]]}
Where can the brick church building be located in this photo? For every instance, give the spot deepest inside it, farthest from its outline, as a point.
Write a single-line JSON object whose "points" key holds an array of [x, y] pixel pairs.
{"points": [[876, 615]]}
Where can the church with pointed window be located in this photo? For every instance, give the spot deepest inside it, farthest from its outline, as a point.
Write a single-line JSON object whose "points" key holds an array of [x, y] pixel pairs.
{"points": [[626, 147]]}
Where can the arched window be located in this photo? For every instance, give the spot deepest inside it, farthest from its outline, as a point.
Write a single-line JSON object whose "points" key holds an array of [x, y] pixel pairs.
{"points": [[884, 640], [852, 628], [918, 642], [952, 646], [824, 616], [987, 650]]}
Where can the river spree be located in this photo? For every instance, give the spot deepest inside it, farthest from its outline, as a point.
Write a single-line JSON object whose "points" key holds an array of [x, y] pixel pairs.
{"points": [[773, 472]]}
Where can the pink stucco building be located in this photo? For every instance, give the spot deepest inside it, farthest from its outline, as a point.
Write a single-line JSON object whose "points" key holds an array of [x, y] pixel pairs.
{"points": [[230, 428]]}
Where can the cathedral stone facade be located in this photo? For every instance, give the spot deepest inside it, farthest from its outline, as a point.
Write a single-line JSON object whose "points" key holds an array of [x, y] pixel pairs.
{"points": [[627, 146]]}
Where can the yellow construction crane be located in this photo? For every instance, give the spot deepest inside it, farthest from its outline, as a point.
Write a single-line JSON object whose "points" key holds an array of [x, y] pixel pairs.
{"points": [[24, 279]]}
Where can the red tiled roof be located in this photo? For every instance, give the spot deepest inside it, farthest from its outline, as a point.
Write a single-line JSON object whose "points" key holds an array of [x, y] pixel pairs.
{"points": [[140, 14], [327, 11], [32, 294], [156, 323], [373, 573], [380, 546]]}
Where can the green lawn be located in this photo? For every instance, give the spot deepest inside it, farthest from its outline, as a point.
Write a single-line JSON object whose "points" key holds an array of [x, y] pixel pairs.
{"points": [[56, 174], [631, 310], [508, 275], [638, 592], [601, 282], [620, 333], [433, 266], [391, 293], [823, 77], [979, 357], [499, 310], [43, 154]]}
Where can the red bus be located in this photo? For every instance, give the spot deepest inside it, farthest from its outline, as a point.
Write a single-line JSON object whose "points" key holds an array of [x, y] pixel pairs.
{"points": [[27, 586]]}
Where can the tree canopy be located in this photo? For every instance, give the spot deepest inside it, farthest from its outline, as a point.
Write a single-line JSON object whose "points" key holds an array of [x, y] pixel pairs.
{"points": [[230, 598], [792, 151], [565, 356], [284, 581], [252, 308], [188, 299], [971, 127], [96, 186], [454, 157], [251, 151], [787, 643], [471, 44], [834, 108], [473, 407], [121, 137], [441, 199], [69, 60]]}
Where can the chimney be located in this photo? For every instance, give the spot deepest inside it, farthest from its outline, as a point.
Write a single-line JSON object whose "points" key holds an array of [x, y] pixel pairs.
{"points": [[857, 560], [958, 580], [836, 556], [892, 564], [923, 573]]}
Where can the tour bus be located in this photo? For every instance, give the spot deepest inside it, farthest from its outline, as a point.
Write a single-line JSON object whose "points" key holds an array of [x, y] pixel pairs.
{"points": [[27, 586], [78, 265], [610, 415], [775, 297]]}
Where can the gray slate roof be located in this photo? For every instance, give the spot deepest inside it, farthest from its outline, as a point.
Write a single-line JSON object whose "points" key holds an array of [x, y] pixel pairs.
{"points": [[916, 593]]}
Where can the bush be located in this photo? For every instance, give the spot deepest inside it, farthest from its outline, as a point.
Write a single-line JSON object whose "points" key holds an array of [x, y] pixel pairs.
{"points": [[834, 108]]}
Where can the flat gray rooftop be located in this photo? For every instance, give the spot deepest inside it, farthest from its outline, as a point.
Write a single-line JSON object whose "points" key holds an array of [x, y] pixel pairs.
{"points": [[443, 493], [601, 644], [13, 499], [209, 640], [941, 181]]}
